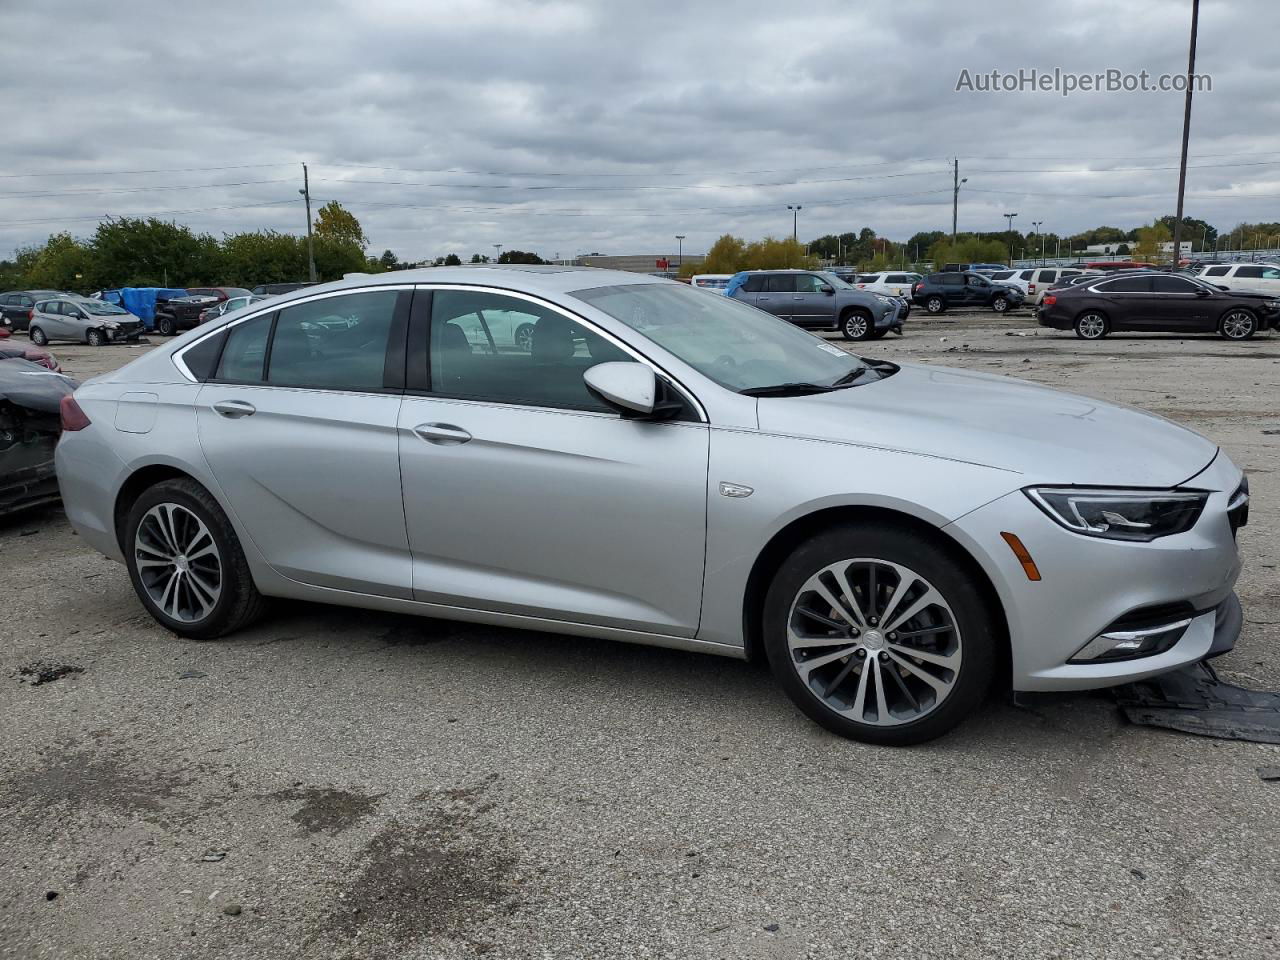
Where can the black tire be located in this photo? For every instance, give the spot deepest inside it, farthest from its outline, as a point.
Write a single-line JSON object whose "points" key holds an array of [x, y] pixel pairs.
{"points": [[1092, 325], [239, 602], [1237, 324], [95, 338], [856, 324], [935, 304], [166, 326], [1000, 304], [37, 336], [930, 560]]}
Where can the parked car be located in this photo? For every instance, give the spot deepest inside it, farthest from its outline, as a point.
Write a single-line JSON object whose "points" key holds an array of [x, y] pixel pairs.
{"points": [[710, 281], [16, 305], [1011, 278], [890, 283], [182, 313], [1040, 279], [30, 398], [1151, 301], [1079, 278], [662, 467], [940, 291], [1262, 277], [230, 305], [9, 350], [218, 293], [970, 267], [83, 320], [819, 301], [276, 289]]}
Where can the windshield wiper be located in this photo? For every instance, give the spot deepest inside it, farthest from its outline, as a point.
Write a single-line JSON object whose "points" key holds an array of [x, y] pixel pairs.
{"points": [[848, 379], [785, 390]]}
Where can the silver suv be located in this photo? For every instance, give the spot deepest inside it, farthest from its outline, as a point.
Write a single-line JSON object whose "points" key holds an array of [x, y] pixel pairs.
{"points": [[821, 301]]}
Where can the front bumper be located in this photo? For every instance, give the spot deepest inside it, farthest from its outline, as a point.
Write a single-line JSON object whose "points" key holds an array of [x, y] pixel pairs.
{"points": [[1088, 585]]}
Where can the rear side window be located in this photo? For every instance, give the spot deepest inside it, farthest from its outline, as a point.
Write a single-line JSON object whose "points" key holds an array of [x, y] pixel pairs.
{"points": [[246, 351], [1216, 271], [1126, 285], [783, 283], [897, 278], [1026, 274], [338, 343], [1048, 276], [951, 279], [754, 284]]}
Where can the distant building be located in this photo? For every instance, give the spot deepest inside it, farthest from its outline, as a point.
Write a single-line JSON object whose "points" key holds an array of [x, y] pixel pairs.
{"points": [[1108, 249], [656, 263]]}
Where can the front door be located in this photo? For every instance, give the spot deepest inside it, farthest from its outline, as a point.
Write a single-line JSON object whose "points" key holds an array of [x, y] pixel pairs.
{"points": [[813, 304], [1173, 304], [299, 428], [524, 494]]}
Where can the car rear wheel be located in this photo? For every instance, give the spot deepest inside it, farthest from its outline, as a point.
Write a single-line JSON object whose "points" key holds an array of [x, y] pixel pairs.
{"points": [[186, 563], [524, 337], [1000, 304], [935, 305], [166, 327], [95, 338], [877, 634], [856, 325], [1091, 326], [37, 336], [1238, 325]]}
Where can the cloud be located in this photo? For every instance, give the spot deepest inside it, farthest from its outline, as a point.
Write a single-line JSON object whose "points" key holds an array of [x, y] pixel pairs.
{"points": [[565, 127]]}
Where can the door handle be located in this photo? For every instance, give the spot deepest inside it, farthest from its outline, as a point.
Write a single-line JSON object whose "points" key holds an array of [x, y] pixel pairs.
{"points": [[441, 433], [235, 409]]}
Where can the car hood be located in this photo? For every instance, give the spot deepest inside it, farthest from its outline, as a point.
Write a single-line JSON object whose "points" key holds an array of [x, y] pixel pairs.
{"points": [[1046, 435]]}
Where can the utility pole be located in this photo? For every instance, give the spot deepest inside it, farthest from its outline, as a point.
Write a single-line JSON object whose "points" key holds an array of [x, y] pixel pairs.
{"points": [[679, 251], [1035, 228], [497, 252], [311, 252], [795, 219], [1009, 217], [955, 200], [1186, 133]]}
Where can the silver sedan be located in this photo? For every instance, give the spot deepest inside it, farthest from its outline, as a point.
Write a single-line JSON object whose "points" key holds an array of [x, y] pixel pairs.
{"points": [[654, 465]]}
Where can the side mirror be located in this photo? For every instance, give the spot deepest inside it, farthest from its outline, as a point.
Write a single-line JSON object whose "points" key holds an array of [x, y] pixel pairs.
{"points": [[1221, 286], [1202, 292], [633, 389], [828, 289]]}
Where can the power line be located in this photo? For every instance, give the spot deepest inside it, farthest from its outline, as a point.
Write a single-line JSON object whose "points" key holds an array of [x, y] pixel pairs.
{"points": [[661, 187], [124, 173], [153, 214], [98, 193]]}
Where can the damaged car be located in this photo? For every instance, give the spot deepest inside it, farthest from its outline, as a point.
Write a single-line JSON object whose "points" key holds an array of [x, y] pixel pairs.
{"points": [[30, 424]]}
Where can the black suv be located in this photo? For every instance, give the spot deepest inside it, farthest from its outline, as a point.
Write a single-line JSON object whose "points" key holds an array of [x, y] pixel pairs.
{"points": [[938, 291], [16, 305], [1154, 301]]}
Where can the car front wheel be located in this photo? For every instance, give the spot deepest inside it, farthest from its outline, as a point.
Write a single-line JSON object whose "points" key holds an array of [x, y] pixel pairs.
{"points": [[95, 338], [1091, 326], [1238, 325], [1000, 304], [878, 635], [935, 305], [186, 563], [857, 325], [37, 336]]}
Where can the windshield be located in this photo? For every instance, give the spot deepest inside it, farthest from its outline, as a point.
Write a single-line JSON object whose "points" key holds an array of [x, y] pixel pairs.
{"points": [[100, 309], [836, 282], [735, 345]]}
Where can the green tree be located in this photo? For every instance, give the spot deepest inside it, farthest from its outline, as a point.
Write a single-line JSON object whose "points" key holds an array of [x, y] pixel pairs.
{"points": [[1197, 232], [1148, 247], [968, 249], [263, 256], [150, 253], [335, 222], [63, 263], [519, 256], [1123, 250], [479, 258], [774, 254], [727, 255], [389, 260], [453, 260]]}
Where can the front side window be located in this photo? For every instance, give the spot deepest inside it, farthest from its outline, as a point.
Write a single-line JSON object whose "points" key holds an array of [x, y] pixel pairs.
{"points": [[337, 343], [1249, 273], [489, 346], [808, 283], [1172, 285], [102, 309], [246, 349], [730, 343]]}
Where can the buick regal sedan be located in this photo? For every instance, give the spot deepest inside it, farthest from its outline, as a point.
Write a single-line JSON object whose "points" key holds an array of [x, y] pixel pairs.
{"points": [[660, 467]]}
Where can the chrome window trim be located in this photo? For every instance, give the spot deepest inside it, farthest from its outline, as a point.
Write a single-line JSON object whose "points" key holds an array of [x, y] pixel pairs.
{"points": [[268, 307], [569, 315]]}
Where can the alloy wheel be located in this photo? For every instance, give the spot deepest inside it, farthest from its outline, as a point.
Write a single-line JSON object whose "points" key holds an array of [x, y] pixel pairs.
{"points": [[874, 641], [178, 562], [1091, 326], [999, 304], [934, 305], [524, 337], [855, 326], [1237, 325], [37, 336]]}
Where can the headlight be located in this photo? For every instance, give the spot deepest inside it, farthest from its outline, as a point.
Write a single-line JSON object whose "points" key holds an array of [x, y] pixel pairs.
{"points": [[883, 299], [1141, 515]]}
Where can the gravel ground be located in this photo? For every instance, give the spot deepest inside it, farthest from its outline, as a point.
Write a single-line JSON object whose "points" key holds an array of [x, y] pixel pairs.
{"points": [[333, 783]]}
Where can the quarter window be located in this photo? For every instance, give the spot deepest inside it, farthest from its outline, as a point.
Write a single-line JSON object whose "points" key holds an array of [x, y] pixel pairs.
{"points": [[337, 343], [488, 346], [246, 349], [1216, 271], [1172, 285]]}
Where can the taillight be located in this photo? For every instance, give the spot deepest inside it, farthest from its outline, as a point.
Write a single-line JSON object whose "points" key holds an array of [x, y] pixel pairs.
{"points": [[1049, 300], [31, 316], [918, 287], [1031, 288], [862, 286], [73, 417]]}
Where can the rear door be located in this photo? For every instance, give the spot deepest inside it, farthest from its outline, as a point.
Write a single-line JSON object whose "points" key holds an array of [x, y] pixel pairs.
{"points": [[1257, 277], [776, 294], [54, 322], [1128, 302], [298, 426], [951, 286]]}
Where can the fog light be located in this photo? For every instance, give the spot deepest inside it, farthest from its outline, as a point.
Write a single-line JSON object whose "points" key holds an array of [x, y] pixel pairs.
{"points": [[1130, 644]]}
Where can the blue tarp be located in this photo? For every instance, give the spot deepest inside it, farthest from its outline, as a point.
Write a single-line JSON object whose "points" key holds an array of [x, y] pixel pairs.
{"points": [[141, 301], [737, 280]]}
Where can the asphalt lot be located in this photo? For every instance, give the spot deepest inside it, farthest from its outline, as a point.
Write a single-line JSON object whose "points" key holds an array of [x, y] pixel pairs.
{"points": [[334, 783]]}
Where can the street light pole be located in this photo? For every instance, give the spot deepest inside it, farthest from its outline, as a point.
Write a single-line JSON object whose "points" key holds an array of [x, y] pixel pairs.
{"points": [[679, 251], [1186, 133], [311, 253], [1009, 217], [497, 252], [795, 219], [1035, 229]]}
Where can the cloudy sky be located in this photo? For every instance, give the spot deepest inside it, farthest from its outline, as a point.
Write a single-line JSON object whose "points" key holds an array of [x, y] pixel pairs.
{"points": [[569, 127]]}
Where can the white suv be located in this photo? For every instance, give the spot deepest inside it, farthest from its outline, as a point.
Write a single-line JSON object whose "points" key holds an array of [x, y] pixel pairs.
{"points": [[1040, 279], [887, 283], [1011, 277], [1262, 277]]}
